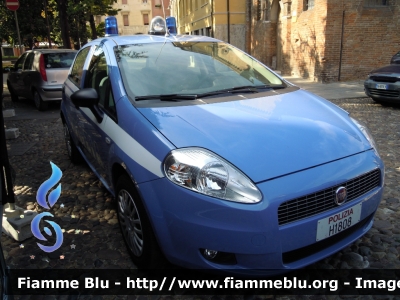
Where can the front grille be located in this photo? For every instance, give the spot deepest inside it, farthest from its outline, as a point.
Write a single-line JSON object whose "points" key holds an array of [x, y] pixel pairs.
{"points": [[324, 200], [384, 78], [384, 93]]}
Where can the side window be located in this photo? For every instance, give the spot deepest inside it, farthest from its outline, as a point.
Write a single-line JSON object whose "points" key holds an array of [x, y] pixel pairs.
{"points": [[97, 78], [29, 61], [18, 65], [106, 100], [97, 69], [77, 68]]}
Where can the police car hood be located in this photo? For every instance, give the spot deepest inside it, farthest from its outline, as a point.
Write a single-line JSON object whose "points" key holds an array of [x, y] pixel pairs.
{"points": [[264, 137]]}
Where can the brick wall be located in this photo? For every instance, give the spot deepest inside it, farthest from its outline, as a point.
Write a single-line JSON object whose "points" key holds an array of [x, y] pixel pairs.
{"points": [[311, 40], [370, 38], [307, 39], [263, 34]]}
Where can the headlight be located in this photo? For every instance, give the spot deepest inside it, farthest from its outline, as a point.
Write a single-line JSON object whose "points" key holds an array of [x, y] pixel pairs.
{"points": [[204, 172], [366, 133]]}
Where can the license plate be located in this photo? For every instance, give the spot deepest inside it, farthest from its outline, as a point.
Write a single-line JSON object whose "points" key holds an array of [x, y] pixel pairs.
{"points": [[382, 86], [336, 223]]}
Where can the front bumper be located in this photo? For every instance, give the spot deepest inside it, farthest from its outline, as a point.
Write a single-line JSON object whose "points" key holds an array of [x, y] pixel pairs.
{"points": [[185, 221], [390, 93]]}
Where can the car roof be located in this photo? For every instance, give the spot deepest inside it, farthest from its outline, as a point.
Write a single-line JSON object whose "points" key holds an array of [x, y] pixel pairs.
{"points": [[53, 50], [146, 38]]}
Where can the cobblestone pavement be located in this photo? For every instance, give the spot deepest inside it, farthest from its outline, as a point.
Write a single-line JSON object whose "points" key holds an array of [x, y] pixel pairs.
{"points": [[89, 213]]}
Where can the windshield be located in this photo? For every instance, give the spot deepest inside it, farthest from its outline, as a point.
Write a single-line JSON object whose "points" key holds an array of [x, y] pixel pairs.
{"points": [[188, 68]]}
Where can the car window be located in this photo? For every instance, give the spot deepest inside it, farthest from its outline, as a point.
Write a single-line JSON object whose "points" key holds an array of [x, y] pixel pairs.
{"points": [[97, 69], [29, 61], [18, 65], [188, 68], [58, 60], [77, 69], [97, 78], [106, 98]]}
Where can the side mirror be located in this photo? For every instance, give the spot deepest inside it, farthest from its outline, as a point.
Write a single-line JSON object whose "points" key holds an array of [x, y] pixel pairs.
{"points": [[88, 98]]}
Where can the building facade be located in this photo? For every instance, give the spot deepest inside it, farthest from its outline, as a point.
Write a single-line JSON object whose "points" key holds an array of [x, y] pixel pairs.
{"points": [[134, 16], [161, 8], [222, 19], [324, 40]]}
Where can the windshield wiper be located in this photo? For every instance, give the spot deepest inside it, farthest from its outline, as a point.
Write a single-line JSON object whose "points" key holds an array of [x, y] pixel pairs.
{"points": [[248, 88], [237, 89], [167, 97], [257, 87], [177, 97]]}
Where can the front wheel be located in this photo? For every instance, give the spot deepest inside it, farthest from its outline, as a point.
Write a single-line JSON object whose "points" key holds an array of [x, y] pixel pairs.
{"points": [[39, 103], [376, 100], [136, 228]]}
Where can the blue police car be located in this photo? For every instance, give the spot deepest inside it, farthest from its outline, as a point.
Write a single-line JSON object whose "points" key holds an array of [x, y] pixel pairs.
{"points": [[214, 160]]}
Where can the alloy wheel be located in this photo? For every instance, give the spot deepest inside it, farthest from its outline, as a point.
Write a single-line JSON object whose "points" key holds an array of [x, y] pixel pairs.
{"points": [[130, 222]]}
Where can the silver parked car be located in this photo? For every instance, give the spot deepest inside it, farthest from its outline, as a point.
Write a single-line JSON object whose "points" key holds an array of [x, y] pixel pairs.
{"points": [[39, 75]]}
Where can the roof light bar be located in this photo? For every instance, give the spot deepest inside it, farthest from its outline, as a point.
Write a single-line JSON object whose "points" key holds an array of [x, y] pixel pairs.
{"points": [[171, 25], [157, 26], [111, 26]]}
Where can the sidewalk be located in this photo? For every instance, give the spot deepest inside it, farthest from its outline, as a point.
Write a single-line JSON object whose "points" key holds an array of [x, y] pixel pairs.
{"points": [[5, 81], [335, 90]]}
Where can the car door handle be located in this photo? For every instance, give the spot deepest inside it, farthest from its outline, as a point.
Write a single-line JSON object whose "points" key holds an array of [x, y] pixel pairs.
{"points": [[108, 141]]}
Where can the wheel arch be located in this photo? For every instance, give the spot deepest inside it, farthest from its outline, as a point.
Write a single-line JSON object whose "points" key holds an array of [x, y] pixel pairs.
{"points": [[119, 170], [62, 117], [33, 90]]}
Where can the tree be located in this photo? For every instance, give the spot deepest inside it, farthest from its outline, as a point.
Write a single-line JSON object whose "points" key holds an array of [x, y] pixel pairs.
{"points": [[30, 21], [65, 18], [64, 25], [100, 8], [74, 14], [87, 9]]}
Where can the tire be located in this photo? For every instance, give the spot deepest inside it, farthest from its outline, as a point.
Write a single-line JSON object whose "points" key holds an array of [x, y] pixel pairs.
{"points": [[73, 152], [39, 103], [14, 96], [382, 102], [136, 228], [376, 100]]}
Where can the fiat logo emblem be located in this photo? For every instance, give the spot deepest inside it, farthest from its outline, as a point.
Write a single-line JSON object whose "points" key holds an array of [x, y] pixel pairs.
{"points": [[341, 195]]}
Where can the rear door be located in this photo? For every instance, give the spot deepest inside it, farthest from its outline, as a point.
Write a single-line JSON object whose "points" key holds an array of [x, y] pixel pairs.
{"points": [[14, 77], [27, 76]]}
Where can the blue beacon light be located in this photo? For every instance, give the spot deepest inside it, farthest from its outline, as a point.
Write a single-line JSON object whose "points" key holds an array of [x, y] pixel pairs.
{"points": [[171, 25], [111, 26]]}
